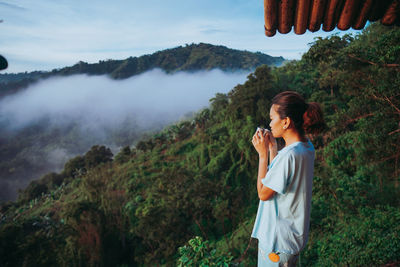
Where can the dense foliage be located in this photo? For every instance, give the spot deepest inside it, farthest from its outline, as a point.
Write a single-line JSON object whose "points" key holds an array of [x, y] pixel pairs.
{"points": [[197, 178]]}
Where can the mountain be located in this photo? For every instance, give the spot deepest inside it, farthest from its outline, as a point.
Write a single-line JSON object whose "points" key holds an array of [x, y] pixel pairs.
{"points": [[188, 58], [187, 196], [192, 57]]}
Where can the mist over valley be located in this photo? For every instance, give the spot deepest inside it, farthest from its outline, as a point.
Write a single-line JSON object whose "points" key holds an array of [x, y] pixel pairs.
{"points": [[60, 117]]}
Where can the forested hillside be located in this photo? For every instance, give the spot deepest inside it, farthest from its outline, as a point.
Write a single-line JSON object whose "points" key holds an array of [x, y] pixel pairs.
{"points": [[187, 195], [183, 58]]}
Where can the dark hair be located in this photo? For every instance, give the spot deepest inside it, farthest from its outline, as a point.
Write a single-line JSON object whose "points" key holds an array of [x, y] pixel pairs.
{"points": [[307, 118]]}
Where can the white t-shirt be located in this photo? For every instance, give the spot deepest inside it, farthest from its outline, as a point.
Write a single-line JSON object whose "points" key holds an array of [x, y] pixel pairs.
{"points": [[282, 222]]}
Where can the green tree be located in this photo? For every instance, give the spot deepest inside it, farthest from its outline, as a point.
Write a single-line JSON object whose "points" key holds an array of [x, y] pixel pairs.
{"points": [[97, 155]]}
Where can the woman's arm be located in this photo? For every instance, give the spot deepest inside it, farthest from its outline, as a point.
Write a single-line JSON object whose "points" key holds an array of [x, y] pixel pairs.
{"points": [[261, 145], [264, 193]]}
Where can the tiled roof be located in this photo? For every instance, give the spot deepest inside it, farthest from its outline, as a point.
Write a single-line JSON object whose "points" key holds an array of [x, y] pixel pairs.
{"points": [[282, 15]]}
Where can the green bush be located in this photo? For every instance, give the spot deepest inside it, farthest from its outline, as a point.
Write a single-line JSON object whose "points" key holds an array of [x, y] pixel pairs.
{"points": [[201, 253]]}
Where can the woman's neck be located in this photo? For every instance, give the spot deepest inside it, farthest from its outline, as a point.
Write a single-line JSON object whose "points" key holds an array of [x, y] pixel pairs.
{"points": [[291, 137]]}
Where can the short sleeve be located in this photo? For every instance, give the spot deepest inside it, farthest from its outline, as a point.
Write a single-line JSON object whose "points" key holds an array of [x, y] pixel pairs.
{"points": [[280, 173]]}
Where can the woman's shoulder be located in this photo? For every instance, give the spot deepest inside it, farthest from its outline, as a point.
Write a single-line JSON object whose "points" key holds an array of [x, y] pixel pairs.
{"points": [[297, 149], [302, 151], [301, 147], [284, 155]]}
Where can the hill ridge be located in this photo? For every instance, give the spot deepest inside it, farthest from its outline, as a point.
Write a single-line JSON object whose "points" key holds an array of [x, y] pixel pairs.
{"points": [[193, 57]]}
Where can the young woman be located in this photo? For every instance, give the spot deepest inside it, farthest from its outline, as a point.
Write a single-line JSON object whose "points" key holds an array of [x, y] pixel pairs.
{"points": [[284, 186]]}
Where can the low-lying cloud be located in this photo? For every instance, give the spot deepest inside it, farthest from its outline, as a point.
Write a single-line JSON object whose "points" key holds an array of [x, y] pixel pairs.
{"points": [[60, 117], [98, 100]]}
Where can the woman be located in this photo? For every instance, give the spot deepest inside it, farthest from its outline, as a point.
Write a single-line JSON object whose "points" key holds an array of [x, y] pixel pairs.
{"points": [[284, 186]]}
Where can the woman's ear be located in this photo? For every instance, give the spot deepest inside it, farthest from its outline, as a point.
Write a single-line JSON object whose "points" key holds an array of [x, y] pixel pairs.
{"points": [[286, 123]]}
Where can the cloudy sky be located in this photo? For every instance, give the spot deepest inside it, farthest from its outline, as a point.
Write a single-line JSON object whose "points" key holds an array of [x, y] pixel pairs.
{"points": [[48, 34]]}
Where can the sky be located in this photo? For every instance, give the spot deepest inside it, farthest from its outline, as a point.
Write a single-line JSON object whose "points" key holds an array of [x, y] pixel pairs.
{"points": [[48, 34]]}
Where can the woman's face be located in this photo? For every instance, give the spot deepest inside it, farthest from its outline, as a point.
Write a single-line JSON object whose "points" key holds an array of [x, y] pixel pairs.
{"points": [[277, 124]]}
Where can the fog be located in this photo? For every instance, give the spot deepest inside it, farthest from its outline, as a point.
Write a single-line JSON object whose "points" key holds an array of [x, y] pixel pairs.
{"points": [[153, 97], [60, 117]]}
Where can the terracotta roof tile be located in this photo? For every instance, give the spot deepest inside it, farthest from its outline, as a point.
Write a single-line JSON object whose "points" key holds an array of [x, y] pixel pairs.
{"points": [[282, 15]]}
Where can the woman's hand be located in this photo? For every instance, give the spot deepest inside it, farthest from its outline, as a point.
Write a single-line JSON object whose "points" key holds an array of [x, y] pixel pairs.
{"points": [[272, 145], [271, 141], [260, 143]]}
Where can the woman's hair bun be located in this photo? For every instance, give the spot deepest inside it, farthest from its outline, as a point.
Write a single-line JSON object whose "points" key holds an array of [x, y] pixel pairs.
{"points": [[313, 119]]}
